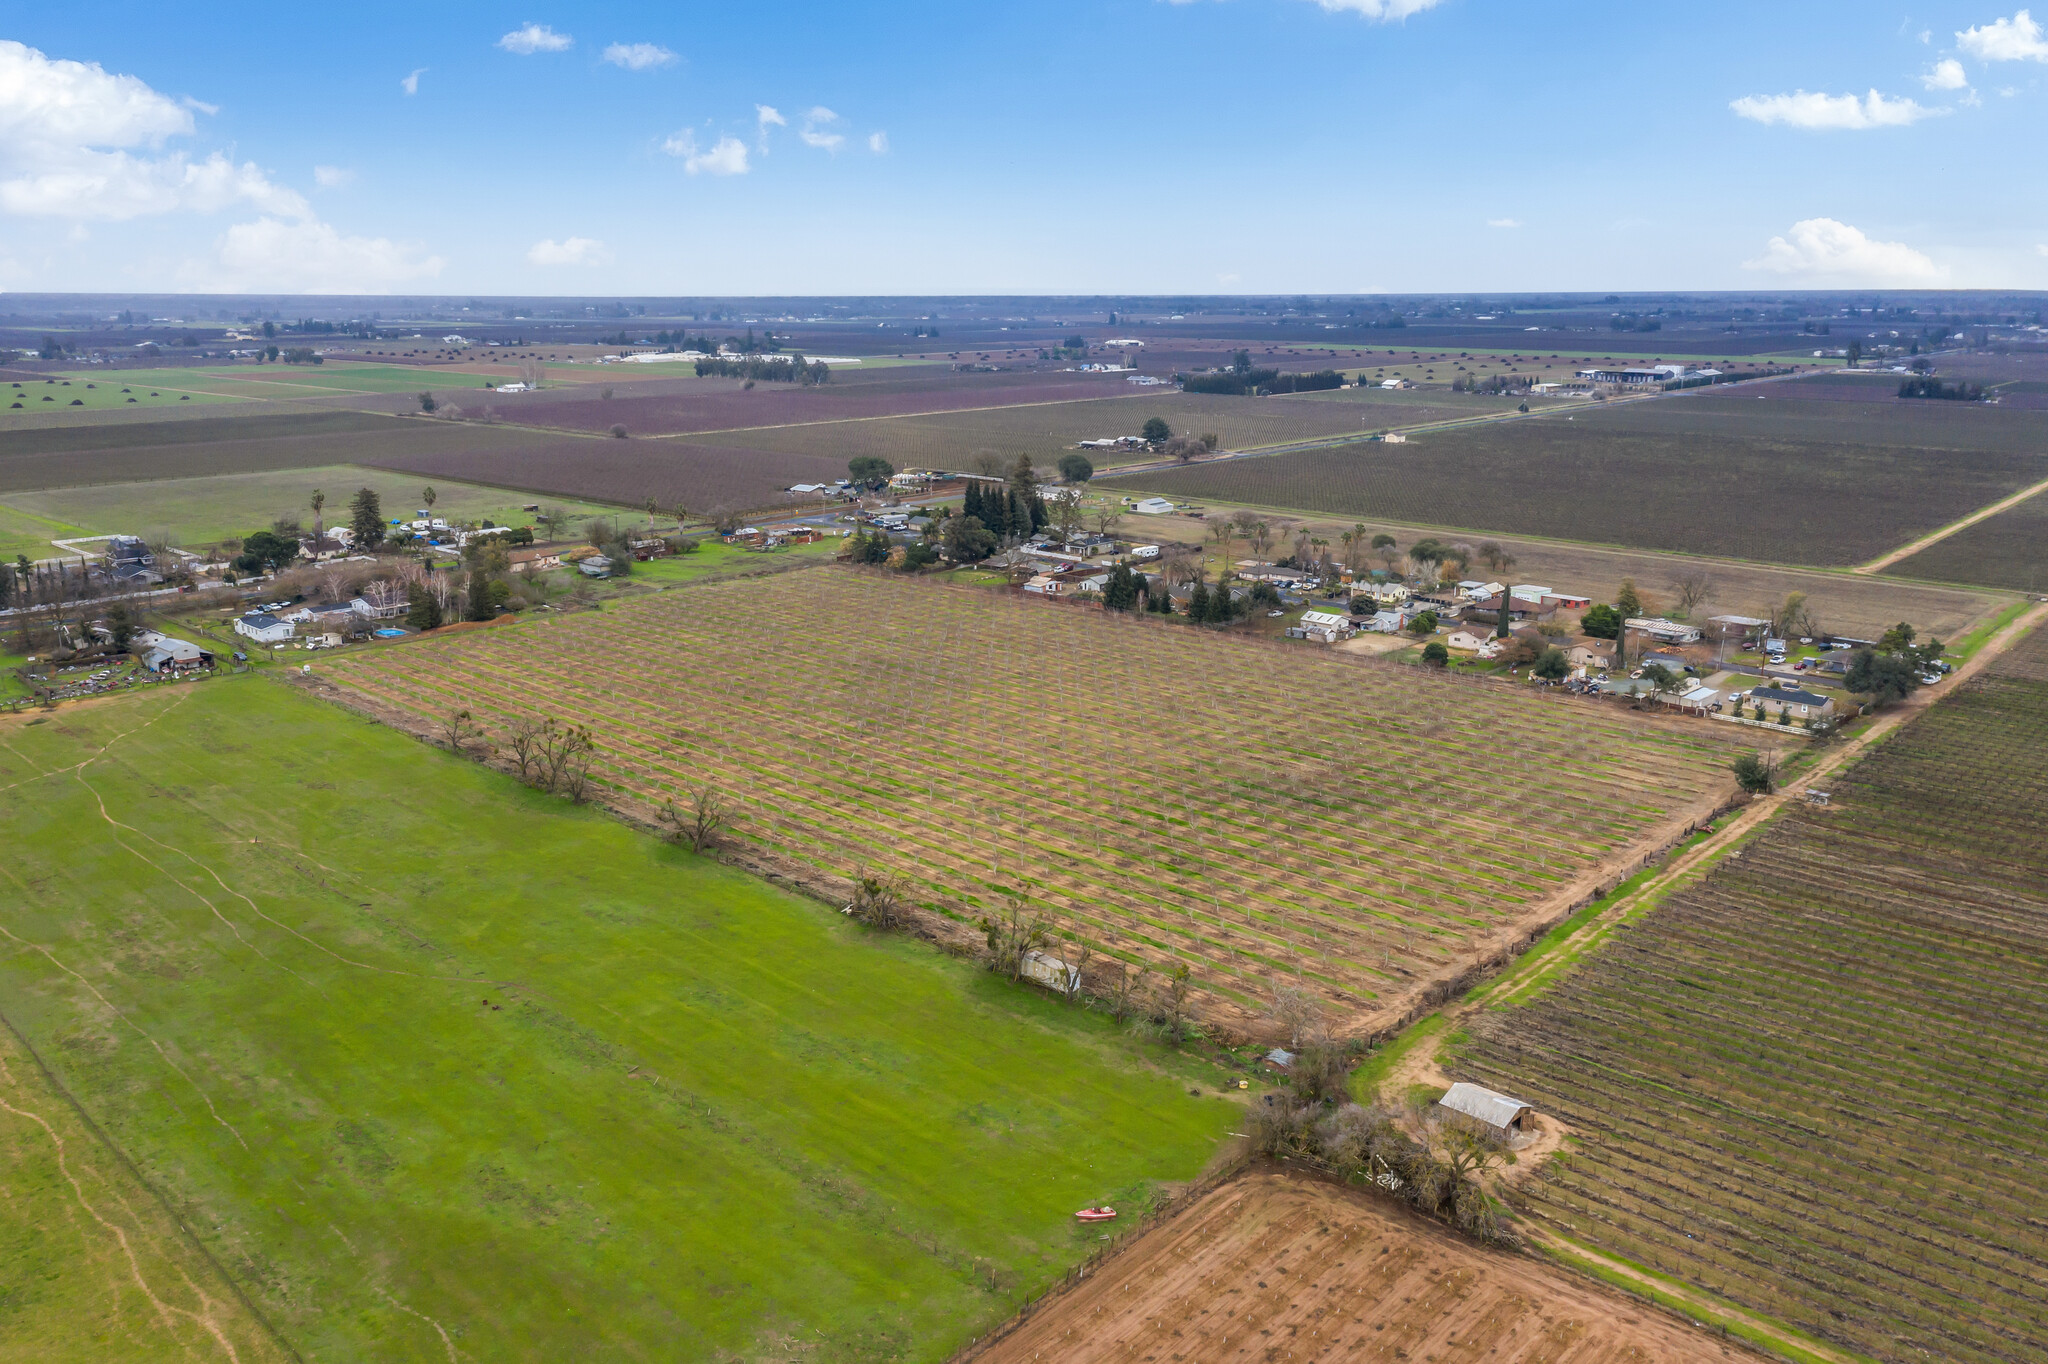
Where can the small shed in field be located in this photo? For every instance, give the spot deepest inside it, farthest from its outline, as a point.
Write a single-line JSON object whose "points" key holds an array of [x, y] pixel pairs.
{"points": [[1495, 1110]]}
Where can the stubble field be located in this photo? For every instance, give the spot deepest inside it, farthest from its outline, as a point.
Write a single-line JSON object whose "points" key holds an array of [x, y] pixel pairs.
{"points": [[1175, 798], [1811, 1082]]}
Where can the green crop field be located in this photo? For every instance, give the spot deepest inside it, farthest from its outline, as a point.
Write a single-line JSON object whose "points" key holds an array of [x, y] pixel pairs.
{"points": [[257, 382], [22, 400], [2007, 550], [974, 743], [1703, 475], [433, 1066], [192, 512], [1812, 1081]]}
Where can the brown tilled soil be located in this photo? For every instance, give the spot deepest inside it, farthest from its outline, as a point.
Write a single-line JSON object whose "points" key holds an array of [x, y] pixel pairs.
{"points": [[1275, 1267]]}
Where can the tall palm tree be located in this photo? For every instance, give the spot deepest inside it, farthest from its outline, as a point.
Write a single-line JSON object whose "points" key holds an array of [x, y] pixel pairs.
{"points": [[319, 530]]}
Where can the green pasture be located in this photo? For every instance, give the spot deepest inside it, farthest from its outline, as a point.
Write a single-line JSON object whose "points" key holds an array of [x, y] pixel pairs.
{"points": [[27, 533], [251, 380], [202, 511], [100, 392], [412, 1049]]}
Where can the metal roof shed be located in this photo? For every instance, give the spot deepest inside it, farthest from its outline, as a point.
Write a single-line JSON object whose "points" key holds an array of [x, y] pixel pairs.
{"points": [[1495, 1110]]}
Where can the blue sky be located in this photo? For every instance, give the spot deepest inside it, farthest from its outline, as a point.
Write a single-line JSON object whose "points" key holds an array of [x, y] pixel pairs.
{"points": [[1128, 146]]}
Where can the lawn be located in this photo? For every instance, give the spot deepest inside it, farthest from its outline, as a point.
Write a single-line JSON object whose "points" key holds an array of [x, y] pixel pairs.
{"points": [[25, 532], [202, 511], [410, 1049]]}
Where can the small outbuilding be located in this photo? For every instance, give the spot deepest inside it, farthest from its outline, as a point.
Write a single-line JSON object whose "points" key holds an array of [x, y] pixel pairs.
{"points": [[1494, 1109]]}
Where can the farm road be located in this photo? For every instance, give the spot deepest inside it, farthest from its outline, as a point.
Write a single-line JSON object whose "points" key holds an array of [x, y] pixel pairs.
{"points": [[1885, 561]]}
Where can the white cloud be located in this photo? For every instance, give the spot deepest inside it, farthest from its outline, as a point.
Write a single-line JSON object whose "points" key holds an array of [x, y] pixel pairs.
{"points": [[46, 103], [1947, 74], [568, 251], [411, 84], [816, 130], [1825, 248], [878, 143], [1503, 222], [535, 38], [71, 138], [638, 56], [1385, 11], [727, 156], [766, 116], [2006, 40], [310, 257], [1831, 113], [333, 177], [2041, 249]]}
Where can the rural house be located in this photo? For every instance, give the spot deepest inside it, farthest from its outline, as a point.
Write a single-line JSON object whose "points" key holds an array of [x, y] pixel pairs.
{"points": [[380, 601], [1496, 1110], [1590, 652], [534, 558], [1325, 626], [264, 628], [1472, 642], [1799, 703]]}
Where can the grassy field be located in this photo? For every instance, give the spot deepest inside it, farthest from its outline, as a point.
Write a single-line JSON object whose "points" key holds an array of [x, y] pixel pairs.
{"points": [[1810, 1082], [1696, 475], [24, 399], [1230, 828], [2008, 550], [202, 511], [250, 381], [435, 1066]]}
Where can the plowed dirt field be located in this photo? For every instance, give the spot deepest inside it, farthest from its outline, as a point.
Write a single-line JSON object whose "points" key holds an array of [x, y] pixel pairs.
{"points": [[1275, 1267]]}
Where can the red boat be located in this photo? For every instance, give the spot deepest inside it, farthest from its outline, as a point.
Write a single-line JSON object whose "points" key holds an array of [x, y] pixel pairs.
{"points": [[1101, 1214]]}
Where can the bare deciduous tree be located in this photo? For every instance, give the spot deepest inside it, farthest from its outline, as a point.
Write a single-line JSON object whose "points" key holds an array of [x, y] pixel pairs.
{"points": [[1184, 448], [565, 753], [523, 741], [1297, 1010], [1692, 588], [878, 900], [458, 730], [700, 819], [1013, 932]]}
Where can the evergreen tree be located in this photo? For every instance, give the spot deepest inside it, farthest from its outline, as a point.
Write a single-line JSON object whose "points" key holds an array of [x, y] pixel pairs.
{"points": [[970, 505], [1036, 506], [366, 518], [1120, 593], [1198, 602], [424, 611], [1222, 607], [481, 607]]}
